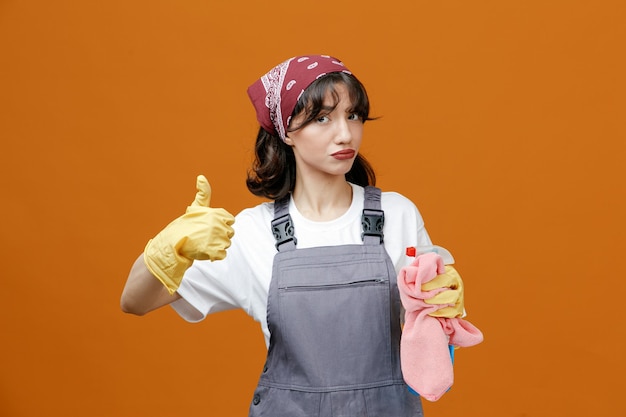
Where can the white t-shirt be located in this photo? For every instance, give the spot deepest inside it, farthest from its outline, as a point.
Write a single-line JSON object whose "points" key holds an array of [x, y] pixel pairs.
{"points": [[242, 279]]}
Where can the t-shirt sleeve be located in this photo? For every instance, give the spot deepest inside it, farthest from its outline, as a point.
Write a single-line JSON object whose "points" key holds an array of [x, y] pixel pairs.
{"points": [[202, 293], [404, 227]]}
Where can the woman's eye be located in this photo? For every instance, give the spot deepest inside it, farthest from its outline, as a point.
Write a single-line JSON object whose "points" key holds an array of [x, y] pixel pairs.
{"points": [[323, 119], [354, 116]]}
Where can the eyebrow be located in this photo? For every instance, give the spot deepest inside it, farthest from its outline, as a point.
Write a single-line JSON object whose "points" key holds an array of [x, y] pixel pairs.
{"points": [[332, 108]]}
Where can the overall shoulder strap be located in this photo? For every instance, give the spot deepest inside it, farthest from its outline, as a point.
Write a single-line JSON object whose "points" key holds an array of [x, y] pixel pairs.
{"points": [[373, 218], [282, 225]]}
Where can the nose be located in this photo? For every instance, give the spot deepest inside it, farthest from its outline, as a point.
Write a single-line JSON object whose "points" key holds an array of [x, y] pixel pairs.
{"points": [[343, 133]]}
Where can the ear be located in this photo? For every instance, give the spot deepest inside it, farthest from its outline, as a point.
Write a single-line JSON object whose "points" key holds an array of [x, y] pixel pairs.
{"points": [[288, 141]]}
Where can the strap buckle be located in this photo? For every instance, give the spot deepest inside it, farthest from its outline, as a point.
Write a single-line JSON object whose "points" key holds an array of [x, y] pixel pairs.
{"points": [[372, 222], [283, 230]]}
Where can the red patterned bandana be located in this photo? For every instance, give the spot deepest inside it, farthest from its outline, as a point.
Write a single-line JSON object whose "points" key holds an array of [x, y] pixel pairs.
{"points": [[275, 94]]}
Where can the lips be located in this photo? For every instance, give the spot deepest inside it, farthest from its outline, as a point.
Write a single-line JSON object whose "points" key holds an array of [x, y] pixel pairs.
{"points": [[344, 154]]}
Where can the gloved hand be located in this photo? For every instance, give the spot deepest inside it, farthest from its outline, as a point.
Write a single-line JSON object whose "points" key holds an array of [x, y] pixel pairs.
{"points": [[453, 295], [201, 233]]}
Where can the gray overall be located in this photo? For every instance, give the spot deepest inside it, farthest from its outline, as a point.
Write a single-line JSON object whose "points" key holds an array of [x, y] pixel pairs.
{"points": [[333, 315]]}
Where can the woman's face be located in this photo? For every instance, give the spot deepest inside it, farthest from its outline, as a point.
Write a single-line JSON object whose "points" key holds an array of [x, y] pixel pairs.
{"points": [[328, 145]]}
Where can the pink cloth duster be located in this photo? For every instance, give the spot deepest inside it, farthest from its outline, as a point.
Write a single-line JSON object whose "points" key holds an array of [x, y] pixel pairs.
{"points": [[424, 353]]}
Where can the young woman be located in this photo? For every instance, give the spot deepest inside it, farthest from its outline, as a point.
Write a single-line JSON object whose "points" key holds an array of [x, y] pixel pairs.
{"points": [[316, 267]]}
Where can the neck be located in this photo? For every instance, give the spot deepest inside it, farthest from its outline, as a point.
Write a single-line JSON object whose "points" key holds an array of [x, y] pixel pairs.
{"points": [[322, 200]]}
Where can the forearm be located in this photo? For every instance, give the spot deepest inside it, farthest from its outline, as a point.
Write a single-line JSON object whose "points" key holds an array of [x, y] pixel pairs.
{"points": [[143, 292]]}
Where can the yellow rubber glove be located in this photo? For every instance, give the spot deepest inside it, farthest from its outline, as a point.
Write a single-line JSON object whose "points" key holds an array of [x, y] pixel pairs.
{"points": [[453, 295], [201, 233]]}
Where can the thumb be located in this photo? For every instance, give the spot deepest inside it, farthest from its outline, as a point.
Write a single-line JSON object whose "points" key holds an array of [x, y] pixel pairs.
{"points": [[203, 196]]}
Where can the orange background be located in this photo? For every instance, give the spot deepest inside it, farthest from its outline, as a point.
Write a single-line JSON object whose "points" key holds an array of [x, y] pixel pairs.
{"points": [[502, 120]]}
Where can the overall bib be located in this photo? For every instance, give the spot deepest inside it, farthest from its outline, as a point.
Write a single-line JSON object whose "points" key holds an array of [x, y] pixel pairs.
{"points": [[334, 318]]}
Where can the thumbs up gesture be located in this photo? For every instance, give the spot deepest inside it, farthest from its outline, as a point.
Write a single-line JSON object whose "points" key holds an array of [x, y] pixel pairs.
{"points": [[201, 233]]}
